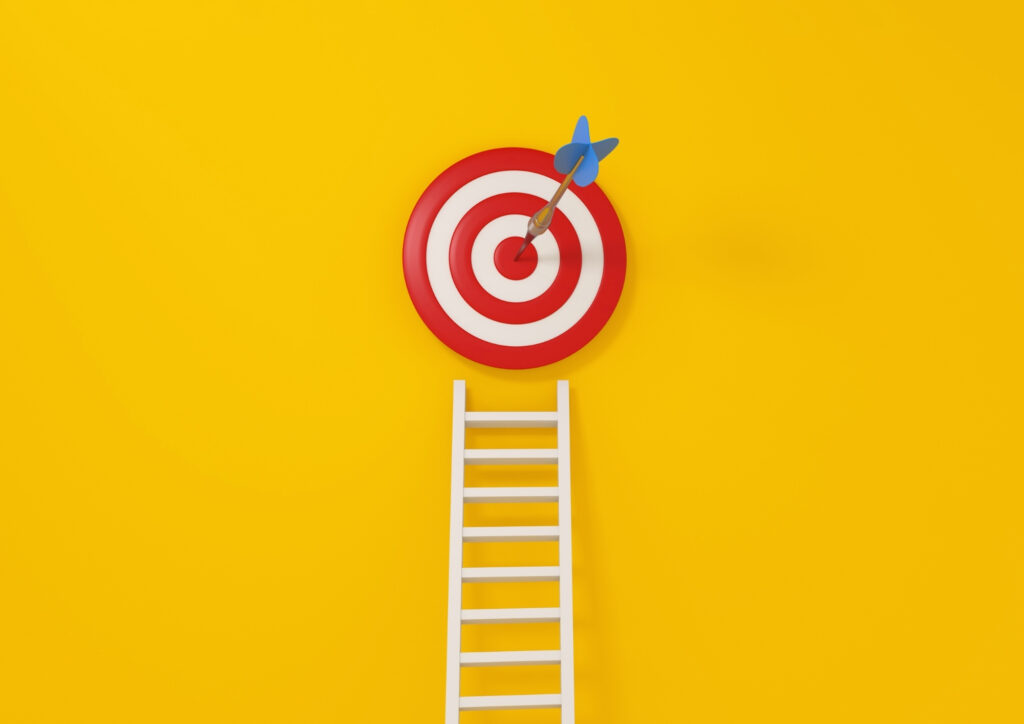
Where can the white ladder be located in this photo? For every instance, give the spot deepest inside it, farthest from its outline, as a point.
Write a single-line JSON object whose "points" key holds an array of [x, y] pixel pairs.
{"points": [[457, 575]]}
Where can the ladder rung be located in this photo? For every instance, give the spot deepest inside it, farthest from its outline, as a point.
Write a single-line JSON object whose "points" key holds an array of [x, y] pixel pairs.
{"points": [[511, 495], [521, 701], [511, 615], [510, 574], [510, 658], [511, 533], [511, 419], [512, 456]]}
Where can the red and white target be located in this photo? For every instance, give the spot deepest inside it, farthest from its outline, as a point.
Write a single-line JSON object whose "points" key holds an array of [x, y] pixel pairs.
{"points": [[460, 270]]}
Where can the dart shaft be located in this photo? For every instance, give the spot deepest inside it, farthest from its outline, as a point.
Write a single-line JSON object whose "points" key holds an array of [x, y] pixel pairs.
{"points": [[542, 219], [564, 185]]}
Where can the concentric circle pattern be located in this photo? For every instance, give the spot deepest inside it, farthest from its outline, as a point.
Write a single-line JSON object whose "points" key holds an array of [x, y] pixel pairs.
{"points": [[465, 283]]}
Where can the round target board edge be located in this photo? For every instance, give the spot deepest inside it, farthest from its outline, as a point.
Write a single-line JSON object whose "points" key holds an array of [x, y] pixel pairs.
{"points": [[459, 340]]}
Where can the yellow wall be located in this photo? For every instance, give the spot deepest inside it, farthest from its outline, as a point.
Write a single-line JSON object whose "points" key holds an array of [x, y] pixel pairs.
{"points": [[224, 456]]}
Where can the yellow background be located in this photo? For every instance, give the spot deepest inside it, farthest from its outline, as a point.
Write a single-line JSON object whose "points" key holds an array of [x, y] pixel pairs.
{"points": [[224, 462]]}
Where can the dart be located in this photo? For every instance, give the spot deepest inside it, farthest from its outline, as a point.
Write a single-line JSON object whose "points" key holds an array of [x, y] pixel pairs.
{"points": [[579, 160]]}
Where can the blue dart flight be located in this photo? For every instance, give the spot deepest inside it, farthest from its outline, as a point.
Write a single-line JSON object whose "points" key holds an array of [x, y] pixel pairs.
{"points": [[579, 159], [581, 151]]}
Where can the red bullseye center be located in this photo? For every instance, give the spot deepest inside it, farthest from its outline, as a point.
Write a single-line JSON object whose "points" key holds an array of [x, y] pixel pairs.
{"points": [[506, 263]]}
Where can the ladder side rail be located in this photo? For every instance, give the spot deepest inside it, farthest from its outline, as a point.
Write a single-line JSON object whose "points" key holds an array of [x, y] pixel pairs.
{"points": [[453, 675], [568, 699]]}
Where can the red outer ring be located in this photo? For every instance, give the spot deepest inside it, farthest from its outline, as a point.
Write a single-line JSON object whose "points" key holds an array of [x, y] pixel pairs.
{"points": [[415, 262]]}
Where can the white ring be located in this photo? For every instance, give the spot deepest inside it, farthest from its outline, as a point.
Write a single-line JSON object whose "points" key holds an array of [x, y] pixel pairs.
{"points": [[439, 272], [497, 284]]}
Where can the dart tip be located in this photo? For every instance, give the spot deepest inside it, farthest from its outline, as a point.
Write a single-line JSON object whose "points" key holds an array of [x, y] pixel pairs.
{"points": [[526, 243]]}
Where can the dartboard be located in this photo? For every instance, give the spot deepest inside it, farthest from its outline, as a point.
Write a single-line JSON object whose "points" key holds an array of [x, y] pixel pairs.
{"points": [[464, 280]]}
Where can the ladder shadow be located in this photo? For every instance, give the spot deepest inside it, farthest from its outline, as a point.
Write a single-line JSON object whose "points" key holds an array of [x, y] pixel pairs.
{"points": [[593, 677]]}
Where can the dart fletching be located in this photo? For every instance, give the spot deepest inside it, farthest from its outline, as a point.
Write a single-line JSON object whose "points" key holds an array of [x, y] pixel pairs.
{"points": [[581, 147]]}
